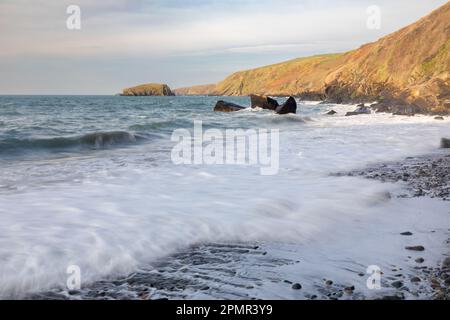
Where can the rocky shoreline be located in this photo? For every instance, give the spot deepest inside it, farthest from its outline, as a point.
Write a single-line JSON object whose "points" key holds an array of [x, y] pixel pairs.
{"points": [[215, 270], [423, 176]]}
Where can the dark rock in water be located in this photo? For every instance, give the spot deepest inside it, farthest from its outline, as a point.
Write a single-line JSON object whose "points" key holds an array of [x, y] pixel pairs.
{"points": [[362, 109], [415, 279], [439, 118], [290, 106], [263, 102], [397, 284], [408, 110], [223, 106], [296, 286], [331, 112], [415, 248], [329, 283], [445, 143], [407, 233], [398, 107]]}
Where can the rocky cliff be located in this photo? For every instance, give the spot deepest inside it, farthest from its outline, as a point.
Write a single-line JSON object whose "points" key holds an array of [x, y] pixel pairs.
{"points": [[410, 66], [201, 90]]}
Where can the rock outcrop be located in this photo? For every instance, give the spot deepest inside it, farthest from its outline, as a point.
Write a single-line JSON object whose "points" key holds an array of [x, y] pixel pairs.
{"points": [[150, 89], [290, 106], [263, 102]]}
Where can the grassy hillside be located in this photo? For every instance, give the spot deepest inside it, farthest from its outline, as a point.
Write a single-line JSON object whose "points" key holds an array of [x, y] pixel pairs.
{"points": [[411, 65]]}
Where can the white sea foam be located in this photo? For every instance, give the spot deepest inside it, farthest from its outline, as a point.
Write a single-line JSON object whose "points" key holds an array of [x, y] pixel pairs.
{"points": [[120, 210]]}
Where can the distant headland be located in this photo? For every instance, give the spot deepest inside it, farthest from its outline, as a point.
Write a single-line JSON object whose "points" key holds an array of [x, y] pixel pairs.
{"points": [[149, 89]]}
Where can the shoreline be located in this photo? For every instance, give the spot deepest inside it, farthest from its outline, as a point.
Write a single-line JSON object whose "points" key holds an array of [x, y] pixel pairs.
{"points": [[220, 270]]}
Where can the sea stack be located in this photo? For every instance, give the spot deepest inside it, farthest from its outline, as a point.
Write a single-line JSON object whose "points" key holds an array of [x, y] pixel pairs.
{"points": [[149, 89], [290, 106]]}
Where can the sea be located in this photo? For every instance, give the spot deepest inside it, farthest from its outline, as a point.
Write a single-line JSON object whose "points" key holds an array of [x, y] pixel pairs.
{"points": [[90, 194]]}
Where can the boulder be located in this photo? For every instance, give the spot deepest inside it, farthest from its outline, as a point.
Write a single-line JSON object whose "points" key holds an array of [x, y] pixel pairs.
{"points": [[361, 109], [445, 143], [223, 106], [330, 113], [263, 102], [290, 106]]}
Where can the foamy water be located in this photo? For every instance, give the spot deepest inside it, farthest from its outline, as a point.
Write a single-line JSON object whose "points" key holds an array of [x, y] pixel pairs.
{"points": [[111, 209]]}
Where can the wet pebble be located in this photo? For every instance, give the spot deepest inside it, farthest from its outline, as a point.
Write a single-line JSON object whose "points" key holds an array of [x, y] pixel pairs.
{"points": [[415, 279], [349, 290], [296, 286]]}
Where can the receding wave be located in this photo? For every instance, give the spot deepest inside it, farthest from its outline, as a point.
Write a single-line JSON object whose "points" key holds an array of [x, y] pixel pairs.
{"points": [[95, 140]]}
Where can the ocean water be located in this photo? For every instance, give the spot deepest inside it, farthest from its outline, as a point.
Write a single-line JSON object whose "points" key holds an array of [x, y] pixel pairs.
{"points": [[89, 181]]}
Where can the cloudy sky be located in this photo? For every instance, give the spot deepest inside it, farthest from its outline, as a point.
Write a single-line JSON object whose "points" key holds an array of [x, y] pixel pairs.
{"points": [[179, 42]]}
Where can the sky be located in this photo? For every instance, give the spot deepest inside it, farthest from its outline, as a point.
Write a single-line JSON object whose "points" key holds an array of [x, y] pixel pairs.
{"points": [[122, 43]]}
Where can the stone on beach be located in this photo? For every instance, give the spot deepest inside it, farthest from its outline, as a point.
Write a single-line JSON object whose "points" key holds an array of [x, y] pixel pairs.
{"points": [[397, 284], [223, 106], [445, 143], [415, 248], [263, 102], [420, 260], [296, 286]]}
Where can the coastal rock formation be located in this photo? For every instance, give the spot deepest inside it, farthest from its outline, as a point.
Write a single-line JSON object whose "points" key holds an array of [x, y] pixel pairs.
{"points": [[263, 102], [331, 113], [290, 106], [149, 89], [223, 106], [410, 66]]}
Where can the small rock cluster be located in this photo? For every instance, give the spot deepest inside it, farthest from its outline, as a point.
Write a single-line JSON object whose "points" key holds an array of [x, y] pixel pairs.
{"points": [[290, 106], [424, 176]]}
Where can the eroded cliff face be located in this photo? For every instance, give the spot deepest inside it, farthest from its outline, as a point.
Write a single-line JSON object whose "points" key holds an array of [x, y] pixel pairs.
{"points": [[149, 89], [411, 66]]}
